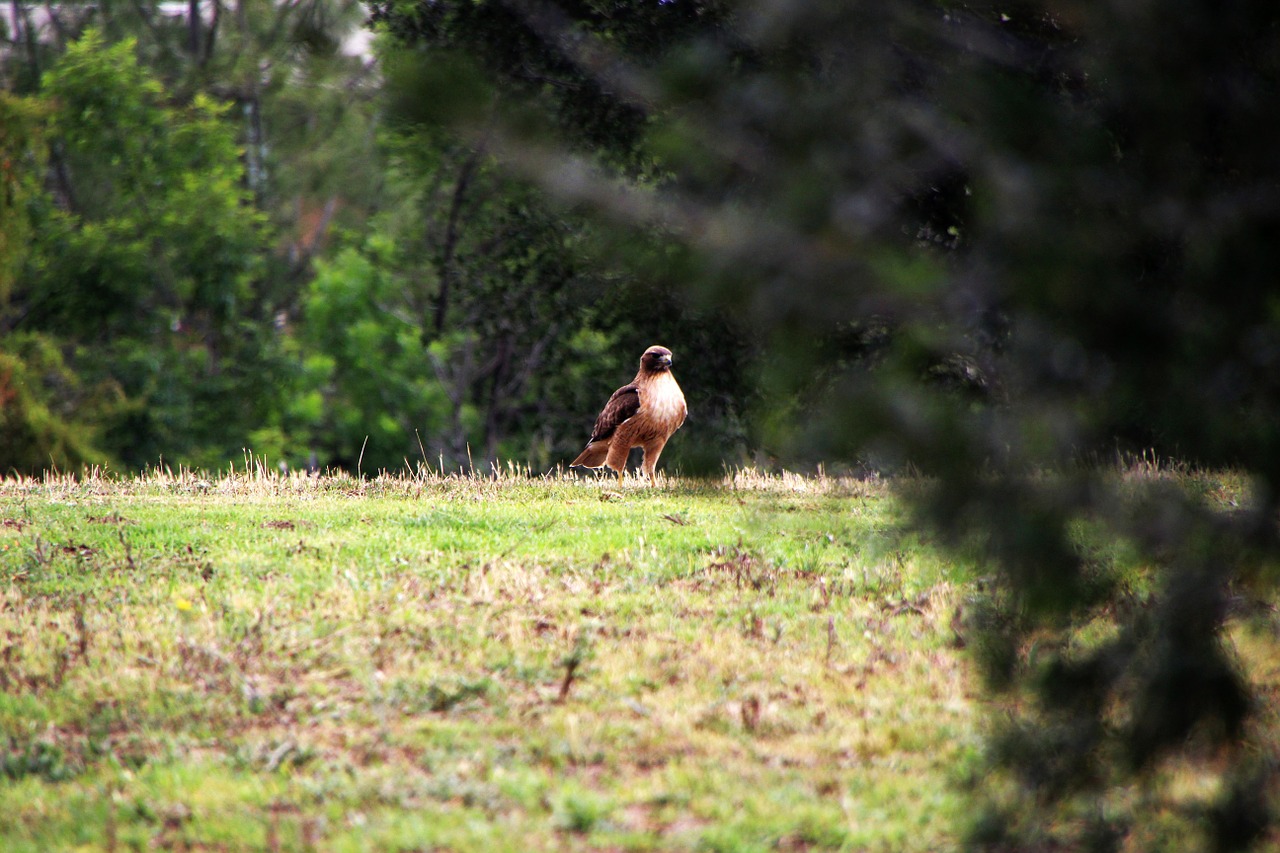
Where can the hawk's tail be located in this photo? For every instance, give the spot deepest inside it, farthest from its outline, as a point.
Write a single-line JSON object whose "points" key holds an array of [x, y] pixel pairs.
{"points": [[593, 456]]}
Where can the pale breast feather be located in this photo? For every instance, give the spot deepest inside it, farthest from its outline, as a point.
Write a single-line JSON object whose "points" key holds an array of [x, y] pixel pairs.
{"points": [[662, 401]]}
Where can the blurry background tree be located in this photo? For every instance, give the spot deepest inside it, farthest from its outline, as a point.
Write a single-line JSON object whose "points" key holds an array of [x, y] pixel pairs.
{"points": [[988, 241], [168, 265], [141, 253]]}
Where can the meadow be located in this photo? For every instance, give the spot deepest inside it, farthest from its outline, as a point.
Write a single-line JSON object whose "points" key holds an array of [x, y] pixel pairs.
{"points": [[269, 662]]}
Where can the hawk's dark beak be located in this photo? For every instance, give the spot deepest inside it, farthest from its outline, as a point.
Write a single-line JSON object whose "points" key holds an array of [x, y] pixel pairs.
{"points": [[665, 360]]}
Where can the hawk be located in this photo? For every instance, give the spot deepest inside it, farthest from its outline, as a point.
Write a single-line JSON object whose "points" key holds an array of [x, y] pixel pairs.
{"points": [[642, 414]]}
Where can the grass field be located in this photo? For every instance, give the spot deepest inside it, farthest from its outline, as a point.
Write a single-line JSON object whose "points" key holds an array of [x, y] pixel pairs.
{"points": [[262, 662]]}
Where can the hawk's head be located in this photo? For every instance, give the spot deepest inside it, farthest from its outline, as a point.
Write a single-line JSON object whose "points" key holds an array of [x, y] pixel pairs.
{"points": [[655, 360]]}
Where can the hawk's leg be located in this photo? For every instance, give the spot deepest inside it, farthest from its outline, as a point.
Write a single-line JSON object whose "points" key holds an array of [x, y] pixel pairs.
{"points": [[652, 450]]}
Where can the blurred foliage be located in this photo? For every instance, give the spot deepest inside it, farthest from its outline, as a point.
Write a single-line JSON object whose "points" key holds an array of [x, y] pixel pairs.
{"points": [[21, 158], [999, 245], [362, 364], [144, 258], [560, 67], [48, 415], [195, 167], [154, 231]]}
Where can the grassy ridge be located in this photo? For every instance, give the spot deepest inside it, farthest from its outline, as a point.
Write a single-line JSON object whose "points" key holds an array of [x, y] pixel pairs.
{"points": [[474, 664]]}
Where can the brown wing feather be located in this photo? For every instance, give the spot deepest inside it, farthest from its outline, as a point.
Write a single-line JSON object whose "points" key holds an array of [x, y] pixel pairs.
{"points": [[624, 403]]}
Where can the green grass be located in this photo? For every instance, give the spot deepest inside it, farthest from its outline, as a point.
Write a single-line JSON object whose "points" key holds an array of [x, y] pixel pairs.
{"points": [[257, 662]]}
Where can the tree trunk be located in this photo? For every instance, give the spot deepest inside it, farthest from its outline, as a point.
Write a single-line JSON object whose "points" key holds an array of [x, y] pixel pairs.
{"points": [[497, 404], [193, 29], [450, 248]]}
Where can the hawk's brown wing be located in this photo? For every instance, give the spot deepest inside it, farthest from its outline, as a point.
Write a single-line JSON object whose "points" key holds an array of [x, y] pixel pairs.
{"points": [[624, 403]]}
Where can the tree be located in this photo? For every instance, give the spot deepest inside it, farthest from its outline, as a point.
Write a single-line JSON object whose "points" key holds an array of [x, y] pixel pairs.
{"points": [[20, 161], [46, 411], [144, 257], [296, 84], [275, 89], [990, 243]]}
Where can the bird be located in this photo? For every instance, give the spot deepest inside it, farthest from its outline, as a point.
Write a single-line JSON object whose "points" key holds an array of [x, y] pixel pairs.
{"points": [[644, 413]]}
